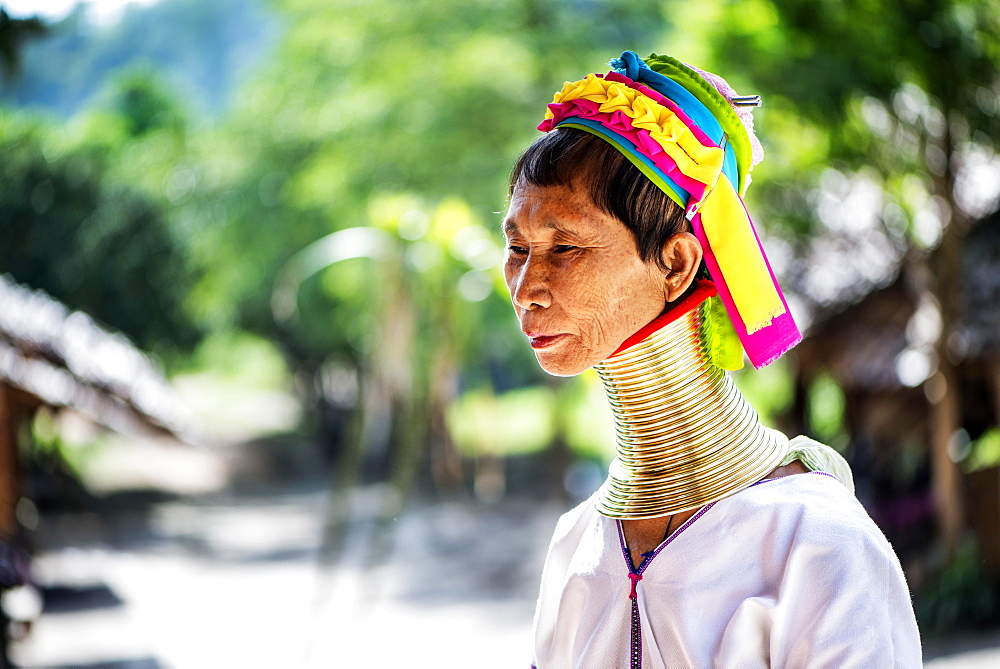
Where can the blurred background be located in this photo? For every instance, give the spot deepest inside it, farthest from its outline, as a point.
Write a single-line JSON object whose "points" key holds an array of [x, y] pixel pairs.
{"points": [[263, 400]]}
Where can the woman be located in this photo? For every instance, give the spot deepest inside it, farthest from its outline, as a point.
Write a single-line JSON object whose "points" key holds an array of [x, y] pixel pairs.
{"points": [[715, 541]]}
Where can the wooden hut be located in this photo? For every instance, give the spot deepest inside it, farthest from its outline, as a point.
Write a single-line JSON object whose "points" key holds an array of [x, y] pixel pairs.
{"points": [[882, 352], [51, 356]]}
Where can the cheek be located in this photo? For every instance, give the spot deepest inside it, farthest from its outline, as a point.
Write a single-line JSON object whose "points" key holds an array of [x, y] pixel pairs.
{"points": [[509, 273], [591, 301], [624, 304], [613, 290]]}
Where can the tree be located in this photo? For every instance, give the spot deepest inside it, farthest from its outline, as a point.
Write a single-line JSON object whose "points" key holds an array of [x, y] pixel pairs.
{"points": [[14, 33], [78, 223], [903, 95]]}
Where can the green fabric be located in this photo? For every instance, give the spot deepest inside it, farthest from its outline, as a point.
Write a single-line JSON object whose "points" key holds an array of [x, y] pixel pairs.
{"points": [[727, 351], [819, 458], [718, 105], [719, 337]]}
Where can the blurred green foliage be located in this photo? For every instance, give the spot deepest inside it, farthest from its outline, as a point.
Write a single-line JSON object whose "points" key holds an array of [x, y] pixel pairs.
{"points": [[984, 452], [770, 390], [961, 598], [77, 224], [397, 119], [825, 411], [50, 446], [895, 92], [481, 421], [524, 420]]}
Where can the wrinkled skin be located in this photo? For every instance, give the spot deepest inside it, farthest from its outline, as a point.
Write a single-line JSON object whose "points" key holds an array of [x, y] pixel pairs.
{"points": [[576, 280]]}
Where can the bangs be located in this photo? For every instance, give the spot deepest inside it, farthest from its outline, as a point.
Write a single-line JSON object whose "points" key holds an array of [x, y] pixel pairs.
{"points": [[576, 159]]}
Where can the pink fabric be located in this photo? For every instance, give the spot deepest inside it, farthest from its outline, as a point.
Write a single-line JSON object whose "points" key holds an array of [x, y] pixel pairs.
{"points": [[622, 124], [635, 578]]}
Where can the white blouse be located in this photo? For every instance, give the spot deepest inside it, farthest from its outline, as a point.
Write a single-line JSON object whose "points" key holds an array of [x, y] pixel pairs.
{"points": [[790, 572]]}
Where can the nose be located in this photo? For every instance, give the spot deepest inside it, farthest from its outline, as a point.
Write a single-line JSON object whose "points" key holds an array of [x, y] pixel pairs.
{"points": [[530, 288]]}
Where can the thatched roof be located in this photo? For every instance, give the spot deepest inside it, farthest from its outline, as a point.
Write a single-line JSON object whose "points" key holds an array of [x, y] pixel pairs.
{"points": [[860, 344], [65, 359]]}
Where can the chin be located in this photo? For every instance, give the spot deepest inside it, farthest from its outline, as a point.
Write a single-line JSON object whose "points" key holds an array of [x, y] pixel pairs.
{"points": [[560, 366]]}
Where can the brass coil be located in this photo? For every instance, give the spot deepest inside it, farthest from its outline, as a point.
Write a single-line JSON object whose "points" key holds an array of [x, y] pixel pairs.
{"points": [[686, 435]]}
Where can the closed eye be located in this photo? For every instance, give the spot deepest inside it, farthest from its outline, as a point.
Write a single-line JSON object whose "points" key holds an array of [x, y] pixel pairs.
{"points": [[514, 248], [564, 248]]}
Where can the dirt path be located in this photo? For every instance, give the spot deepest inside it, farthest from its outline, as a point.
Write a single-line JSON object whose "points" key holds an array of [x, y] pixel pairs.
{"points": [[234, 581]]}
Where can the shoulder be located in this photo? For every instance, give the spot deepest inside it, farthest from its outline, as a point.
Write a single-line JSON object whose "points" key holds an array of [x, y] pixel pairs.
{"points": [[815, 486], [813, 498], [574, 523], [583, 542], [838, 579], [813, 521]]}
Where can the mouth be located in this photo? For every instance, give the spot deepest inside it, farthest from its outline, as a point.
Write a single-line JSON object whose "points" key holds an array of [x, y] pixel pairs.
{"points": [[540, 341]]}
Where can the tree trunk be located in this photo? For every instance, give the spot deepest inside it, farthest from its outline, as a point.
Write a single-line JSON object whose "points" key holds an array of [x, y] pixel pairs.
{"points": [[946, 484], [10, 484], [945, 414]]}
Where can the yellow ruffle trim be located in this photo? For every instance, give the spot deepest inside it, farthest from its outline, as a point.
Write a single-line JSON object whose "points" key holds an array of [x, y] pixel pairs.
{"points": [[695, 160]]}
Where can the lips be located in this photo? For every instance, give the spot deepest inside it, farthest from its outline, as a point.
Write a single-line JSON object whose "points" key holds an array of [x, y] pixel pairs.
{"points": [[539, 341]]}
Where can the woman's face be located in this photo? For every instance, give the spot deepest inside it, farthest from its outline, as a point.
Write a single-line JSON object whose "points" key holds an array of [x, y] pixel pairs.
{"points": [[575, 277]]}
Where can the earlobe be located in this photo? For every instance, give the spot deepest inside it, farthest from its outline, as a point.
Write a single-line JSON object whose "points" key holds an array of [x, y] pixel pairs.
{"points": [[682, 255]]}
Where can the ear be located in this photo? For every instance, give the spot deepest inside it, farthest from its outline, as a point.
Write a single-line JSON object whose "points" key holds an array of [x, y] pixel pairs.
{"points": [[682, 256]]}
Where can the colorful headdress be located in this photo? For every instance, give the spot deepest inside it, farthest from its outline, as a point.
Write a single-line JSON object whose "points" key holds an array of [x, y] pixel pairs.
{"points": [[680, 128]]}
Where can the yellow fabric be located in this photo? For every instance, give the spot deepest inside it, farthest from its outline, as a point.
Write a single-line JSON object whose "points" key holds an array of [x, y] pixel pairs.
{"points": [[699, 162], [731, 236]]}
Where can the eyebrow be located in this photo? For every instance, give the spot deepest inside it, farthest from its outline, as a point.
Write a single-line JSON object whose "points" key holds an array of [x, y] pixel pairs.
{"points": [[508, 226]]}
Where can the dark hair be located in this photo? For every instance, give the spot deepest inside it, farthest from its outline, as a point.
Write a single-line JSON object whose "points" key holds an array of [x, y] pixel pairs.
{"points": [[577, 159]]}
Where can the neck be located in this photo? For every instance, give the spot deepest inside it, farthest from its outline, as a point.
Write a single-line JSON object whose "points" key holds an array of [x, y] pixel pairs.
{"points": [[686, 435]]}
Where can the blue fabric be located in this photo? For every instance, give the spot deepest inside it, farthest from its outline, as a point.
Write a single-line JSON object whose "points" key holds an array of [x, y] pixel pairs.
{"points": [[629, 65], [633, 67]]}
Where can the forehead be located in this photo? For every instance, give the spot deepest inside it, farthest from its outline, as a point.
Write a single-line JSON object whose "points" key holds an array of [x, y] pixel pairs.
{"points": [[555, 207]]}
